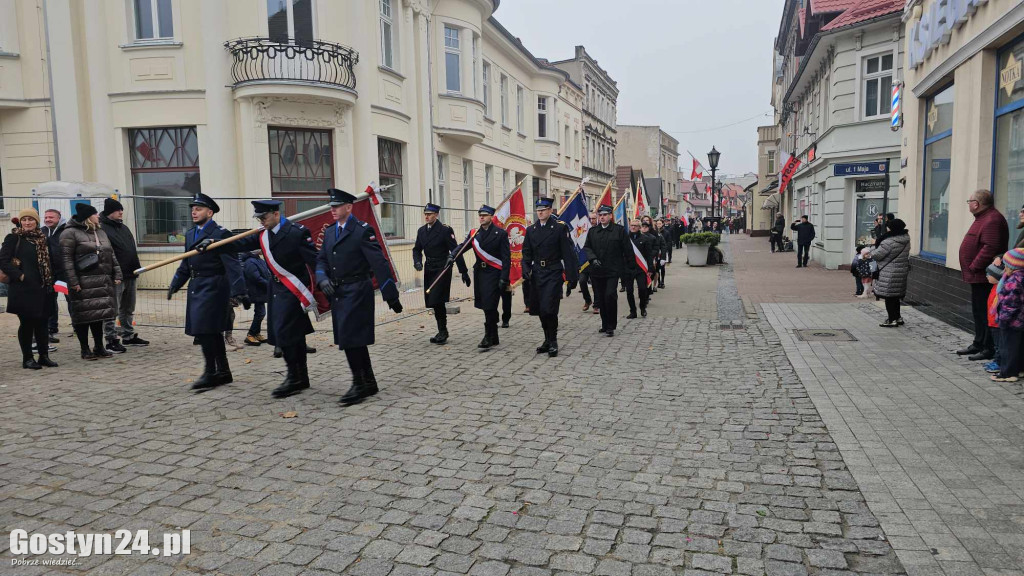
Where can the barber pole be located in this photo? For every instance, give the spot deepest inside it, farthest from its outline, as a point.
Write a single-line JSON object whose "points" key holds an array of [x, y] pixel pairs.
{"points": [[897, 112]]}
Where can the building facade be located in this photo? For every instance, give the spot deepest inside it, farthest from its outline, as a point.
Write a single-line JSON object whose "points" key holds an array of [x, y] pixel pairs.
{"points": [[656, 153], [282, 98], [766, 202], [839, 62], [600, 97], [963, 131]]}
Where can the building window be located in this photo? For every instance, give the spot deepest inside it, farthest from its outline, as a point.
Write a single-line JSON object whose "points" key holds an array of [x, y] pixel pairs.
{"points": [[566, 143], [938, 151], [506, 183], [301, 165], [452, 59], [476, 58], [877, 85], [442, 179], [1008, 179], [387, 35], [487, 89], [542, 117], [504, 100], [771, 162], [389, 164], [520, 113], [576, 142], [153, 19], [489, 185], [467, 192], [164, 165], [290, 21]]}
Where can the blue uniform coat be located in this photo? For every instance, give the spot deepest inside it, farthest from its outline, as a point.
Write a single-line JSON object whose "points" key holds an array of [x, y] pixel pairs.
{"points": [[547, 253], [494, 241], [212, 278], [436, 242], [350, 258]]}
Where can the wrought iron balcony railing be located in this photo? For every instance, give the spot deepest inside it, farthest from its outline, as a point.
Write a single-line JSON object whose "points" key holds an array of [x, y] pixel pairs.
{"points": [[257, 60]]}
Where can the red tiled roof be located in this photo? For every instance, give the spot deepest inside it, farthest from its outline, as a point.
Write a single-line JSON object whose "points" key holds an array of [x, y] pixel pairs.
{"points": [[864, 11], [822, 6]]}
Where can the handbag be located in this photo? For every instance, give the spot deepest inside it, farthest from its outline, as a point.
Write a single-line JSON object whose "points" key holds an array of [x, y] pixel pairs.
{"points": [[87, 262], [4, 278]]}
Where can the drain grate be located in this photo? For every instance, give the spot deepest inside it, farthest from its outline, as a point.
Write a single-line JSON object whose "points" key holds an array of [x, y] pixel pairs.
{"points": [[824, 335]]}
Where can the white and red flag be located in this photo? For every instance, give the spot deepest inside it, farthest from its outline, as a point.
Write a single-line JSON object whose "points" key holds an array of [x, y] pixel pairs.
{"points": [[641, 198], [373, 189], [640, 262], [511, 216], [61, 287], [606, 196]]}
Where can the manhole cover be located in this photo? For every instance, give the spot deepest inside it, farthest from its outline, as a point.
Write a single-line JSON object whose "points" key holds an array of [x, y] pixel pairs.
{"points": [[824, 335]]}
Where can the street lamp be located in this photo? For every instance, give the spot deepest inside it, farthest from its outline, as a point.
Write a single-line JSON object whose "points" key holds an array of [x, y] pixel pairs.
{"points": [[713, 157]]}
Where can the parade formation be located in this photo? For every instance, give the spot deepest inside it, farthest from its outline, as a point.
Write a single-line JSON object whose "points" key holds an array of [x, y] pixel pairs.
{"points": [[338, 269]]}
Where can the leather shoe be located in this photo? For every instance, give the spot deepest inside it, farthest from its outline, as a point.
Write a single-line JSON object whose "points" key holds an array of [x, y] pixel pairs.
{"points": [[643, 313], [369, 383], [288, 389], [30, 364], [206, 381], [553, 349], [485, 343], [982, 355], [504, 324], [631, 316], [972, 349], [609, 333], [353, 396], [545, 347], [586, 307], [46, 362], [601, 331]]}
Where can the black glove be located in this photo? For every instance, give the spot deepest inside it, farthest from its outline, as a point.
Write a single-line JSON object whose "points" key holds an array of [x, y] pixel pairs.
{"points": [[243, 299], [595, 263], [170, 291], [247, 304], [527, 273], [465, 278], [203, 245], [326, 287], [418, 266], [395, 305], [570, 288], [502, 285], [449, 262]]}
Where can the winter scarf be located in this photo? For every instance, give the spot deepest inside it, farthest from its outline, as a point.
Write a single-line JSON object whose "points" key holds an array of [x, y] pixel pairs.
{"points": [[37, 237]]}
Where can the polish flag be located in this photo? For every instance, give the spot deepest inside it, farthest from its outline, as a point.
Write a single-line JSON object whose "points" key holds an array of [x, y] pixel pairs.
{"points": [[694, 174], [640, 262], [373, 190], [61, 287]]}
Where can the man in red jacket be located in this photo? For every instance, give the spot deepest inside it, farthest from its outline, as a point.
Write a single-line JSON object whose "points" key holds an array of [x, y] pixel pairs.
{"points": [[986, 239]]}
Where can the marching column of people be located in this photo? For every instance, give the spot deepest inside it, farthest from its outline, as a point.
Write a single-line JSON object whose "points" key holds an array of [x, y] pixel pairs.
{"points": [[490, 272], [435, 241], [610, 258], [548, 259]]}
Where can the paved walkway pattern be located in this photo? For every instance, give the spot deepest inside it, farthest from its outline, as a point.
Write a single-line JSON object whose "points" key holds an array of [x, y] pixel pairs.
{"points": [[675, 448]]}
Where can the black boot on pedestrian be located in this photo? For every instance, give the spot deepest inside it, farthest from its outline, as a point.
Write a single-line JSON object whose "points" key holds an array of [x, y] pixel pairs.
{"points": [[304, 376], [355, 392], [222, 370], [546, 346], [632, 315], [30, 364], [44, 360], [101, 352], [553, 348], [88, 355], [292, 384], [440, 338], [494, 336], [206, 381], [369, 382], [972, 349], [486, 342], [643, 312], [661, 285], [310, 349], [609, 333], [982, 355], [278, 352]]}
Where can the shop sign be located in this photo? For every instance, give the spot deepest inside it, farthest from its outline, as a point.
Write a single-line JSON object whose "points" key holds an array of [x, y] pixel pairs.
{"points": [[875, 185], [936, 26], [1010, 75]]}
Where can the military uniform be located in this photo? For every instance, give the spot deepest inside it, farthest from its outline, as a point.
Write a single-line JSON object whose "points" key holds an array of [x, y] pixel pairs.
{"points": [[611, 257], [350, 258], [212, 279], [490, 275], [436, 241], [548, 259], [645, 243], [293, 254]]}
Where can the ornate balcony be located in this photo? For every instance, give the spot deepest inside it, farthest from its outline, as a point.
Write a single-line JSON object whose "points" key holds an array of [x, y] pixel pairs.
{"points": [[316, 63]]}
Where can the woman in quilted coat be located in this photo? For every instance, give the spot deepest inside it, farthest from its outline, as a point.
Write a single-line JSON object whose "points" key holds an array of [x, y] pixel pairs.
{"points": [[893, 258]]}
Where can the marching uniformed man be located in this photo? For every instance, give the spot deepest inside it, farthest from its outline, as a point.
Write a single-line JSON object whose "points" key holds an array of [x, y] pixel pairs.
{"points": [[437, 240], [547, 255], [349, 260], [611, 258], [213, 279], [645, 243], [490, 273], [290, 254]]}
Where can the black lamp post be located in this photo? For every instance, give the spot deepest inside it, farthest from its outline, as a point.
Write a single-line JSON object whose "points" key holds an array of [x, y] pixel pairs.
{"points": [[713, 157]]}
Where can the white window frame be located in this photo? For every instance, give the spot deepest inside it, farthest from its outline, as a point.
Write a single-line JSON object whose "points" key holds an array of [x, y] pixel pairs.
{"points": [[476, 64], [154, 10], [455, 50], [542, 110], [505, 183], [290, 8], [387, 20], [567, 145], [467, 192], [520, 112], [863, 78], [489, 184], [442, 175], [504, 100], [487, 89], [771, 162]]}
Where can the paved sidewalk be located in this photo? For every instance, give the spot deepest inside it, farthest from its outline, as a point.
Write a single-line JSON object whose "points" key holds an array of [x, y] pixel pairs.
{"points": [[935, 446], [765, 277]]}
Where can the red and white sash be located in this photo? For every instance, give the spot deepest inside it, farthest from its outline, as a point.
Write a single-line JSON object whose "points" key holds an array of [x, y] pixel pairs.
{"points": [[640, 260], [491, 260], [293, 284]]}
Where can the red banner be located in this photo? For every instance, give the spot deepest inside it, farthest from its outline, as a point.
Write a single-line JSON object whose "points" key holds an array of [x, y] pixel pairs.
{"points": [[787, 173], [511, 216]]}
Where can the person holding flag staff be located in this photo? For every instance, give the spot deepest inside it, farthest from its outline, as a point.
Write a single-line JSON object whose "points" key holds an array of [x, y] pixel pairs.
{"points": [[585, 278], [490, 272], [609, 253], [645, 243], [213, 279], [548, 255], [290, 254], [437, 240], [346, 266]]}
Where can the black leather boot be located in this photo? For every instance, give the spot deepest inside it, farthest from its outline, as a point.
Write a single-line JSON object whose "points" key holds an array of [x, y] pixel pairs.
{"points": [[369, 382], [553, 349], [222, 371], [486, 342], [30, 364], [292, 384], [355, 392], [207, 379], [44, 360]]}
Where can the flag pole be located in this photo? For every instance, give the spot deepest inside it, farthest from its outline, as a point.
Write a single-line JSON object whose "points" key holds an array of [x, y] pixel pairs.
{"points": [[571, 198], [505, 201], [300, 216]]}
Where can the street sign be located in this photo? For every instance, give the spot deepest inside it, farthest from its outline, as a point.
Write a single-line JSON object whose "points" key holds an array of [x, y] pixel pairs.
{"points": [[860, 169]]}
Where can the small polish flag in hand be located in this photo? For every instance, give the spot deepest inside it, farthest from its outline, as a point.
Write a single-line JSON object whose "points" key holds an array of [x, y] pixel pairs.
{"points": [[373, 190], [61, 287]]}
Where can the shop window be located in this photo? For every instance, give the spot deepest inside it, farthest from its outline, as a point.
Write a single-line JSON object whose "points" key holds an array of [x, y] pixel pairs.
{"points": [[389, 163], [877, 75], [1008, 176], [165, 175], [153, 19], [452, 59], [290, 21], [301, 167], [938, 151]]}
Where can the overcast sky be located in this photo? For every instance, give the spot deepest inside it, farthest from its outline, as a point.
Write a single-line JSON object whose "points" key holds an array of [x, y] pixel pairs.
{"points": [[689, 66]]}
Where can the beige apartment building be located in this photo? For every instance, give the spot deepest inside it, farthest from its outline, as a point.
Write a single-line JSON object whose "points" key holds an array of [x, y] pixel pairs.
{"points": [[767, 202], [244, 99], [651, 149]]}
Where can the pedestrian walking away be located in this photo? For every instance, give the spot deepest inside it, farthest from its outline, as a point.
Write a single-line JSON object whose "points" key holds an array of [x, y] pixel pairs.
{"points": [[213, 279], [804, 235], [349, 261], [435, 241], [548, 257], [25, 260], [986, 239], [893, 258], [775, 234], [585, 281], [126, 252], [610, 256], [490, 272]]}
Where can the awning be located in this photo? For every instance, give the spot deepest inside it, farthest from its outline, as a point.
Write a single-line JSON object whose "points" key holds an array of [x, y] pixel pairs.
{"points": [[770, 189], [772, 202]]}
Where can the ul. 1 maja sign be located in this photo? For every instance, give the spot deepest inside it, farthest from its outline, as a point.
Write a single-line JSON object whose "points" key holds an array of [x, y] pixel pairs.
{"points": [[861, 169]]}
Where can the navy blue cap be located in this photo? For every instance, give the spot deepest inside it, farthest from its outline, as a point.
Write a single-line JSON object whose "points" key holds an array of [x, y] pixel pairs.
{"points": [[339, 197], [201, 199], [604, 209], [261, 207], [485, 209], [544, 203], [431, 208]]}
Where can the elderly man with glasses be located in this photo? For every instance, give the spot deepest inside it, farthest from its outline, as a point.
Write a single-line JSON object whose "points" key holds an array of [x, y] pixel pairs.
{"points": [[985, 240]]}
